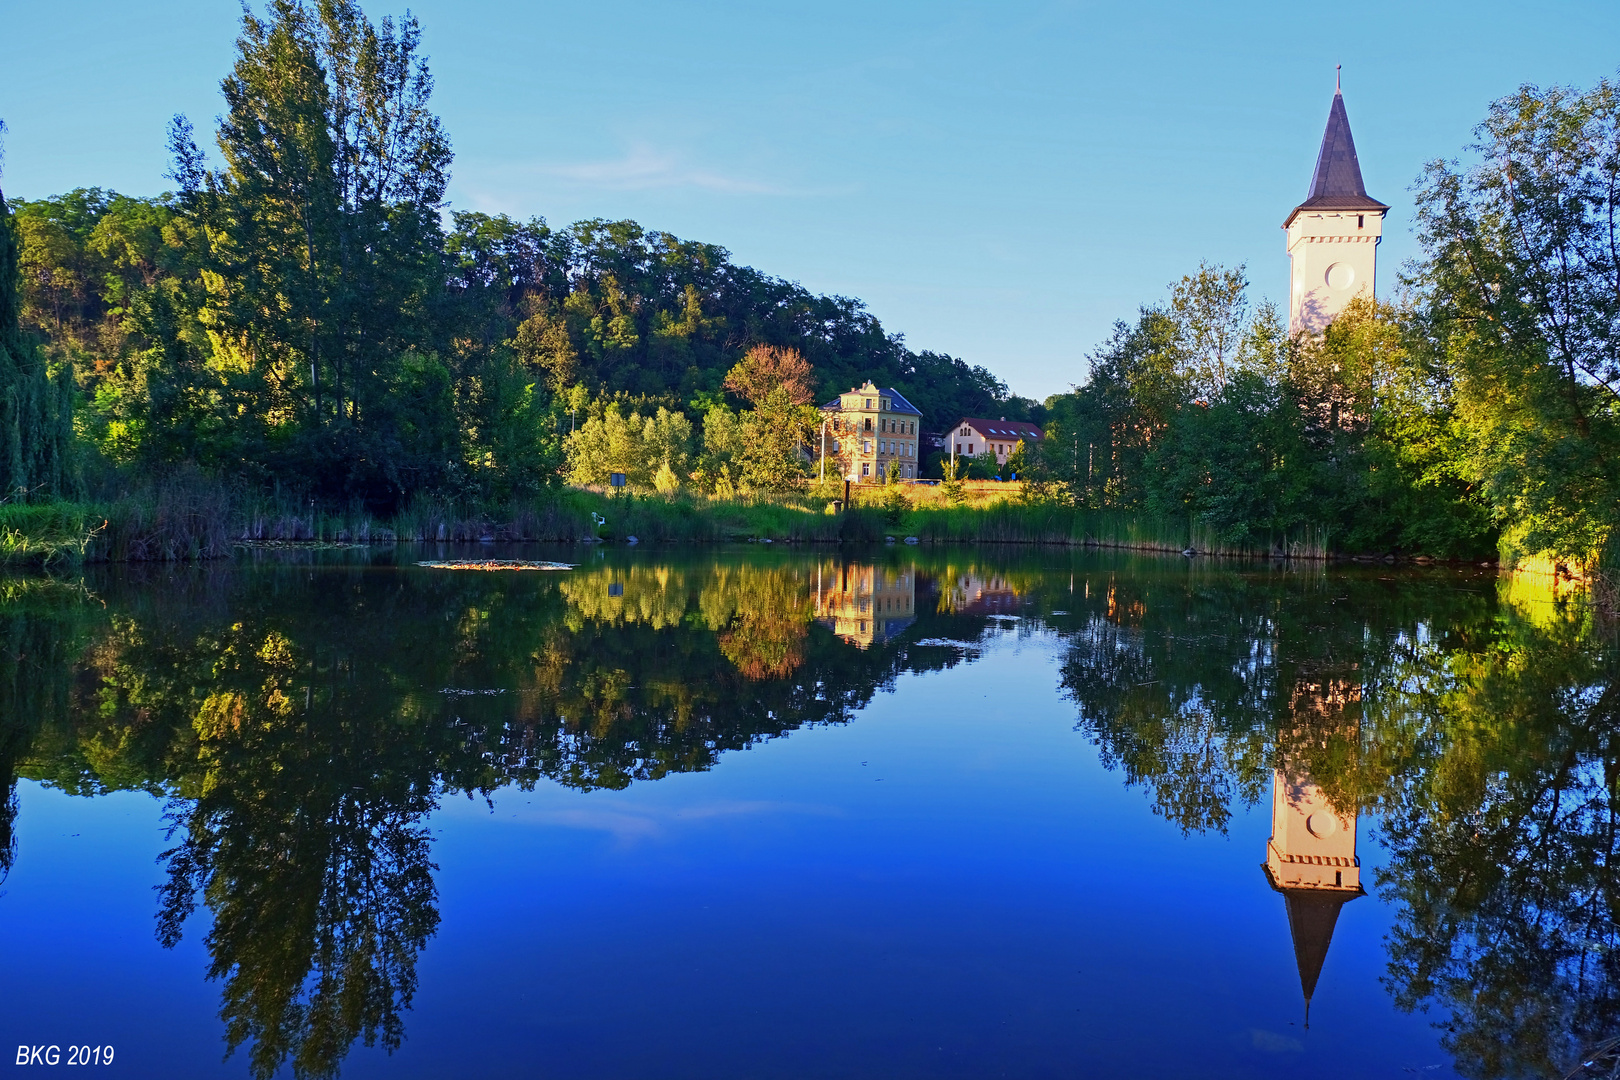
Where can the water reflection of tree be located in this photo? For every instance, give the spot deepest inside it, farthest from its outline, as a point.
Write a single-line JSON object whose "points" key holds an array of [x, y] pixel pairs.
{"points": [[307, 844], [305, 725], [761, 613], [43, 626], [662, 669], [1488, 738], [1502, 830]]}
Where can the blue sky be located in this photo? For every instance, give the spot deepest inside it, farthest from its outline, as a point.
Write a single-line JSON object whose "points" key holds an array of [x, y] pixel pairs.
{"points": [[996, 181]]}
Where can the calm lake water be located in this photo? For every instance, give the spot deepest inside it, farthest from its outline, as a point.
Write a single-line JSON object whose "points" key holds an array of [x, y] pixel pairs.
{"points": [[772, 812]]}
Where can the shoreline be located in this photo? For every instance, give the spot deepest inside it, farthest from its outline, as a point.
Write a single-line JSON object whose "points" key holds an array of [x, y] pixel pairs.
{"points": [[198, 520]]}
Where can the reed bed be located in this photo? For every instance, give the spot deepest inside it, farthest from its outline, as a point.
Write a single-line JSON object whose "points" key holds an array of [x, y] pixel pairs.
{"points": [[187, 517], [1014, 522]]}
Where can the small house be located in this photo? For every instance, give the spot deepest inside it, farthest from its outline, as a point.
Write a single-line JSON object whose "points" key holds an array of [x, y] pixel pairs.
{"points": [[974, 436]]}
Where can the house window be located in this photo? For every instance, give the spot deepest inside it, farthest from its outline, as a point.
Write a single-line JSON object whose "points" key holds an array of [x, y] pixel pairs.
{"points": [[868, 403], [970, 449], [866, 468], [868, 423]]}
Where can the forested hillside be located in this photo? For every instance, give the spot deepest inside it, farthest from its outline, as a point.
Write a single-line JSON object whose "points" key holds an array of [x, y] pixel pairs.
{"points": [[309, 313]]}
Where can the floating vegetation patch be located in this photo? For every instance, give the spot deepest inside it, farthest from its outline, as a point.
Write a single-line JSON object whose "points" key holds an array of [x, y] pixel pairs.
{"points": [[302, 545], [497, 564], [968, 650]]}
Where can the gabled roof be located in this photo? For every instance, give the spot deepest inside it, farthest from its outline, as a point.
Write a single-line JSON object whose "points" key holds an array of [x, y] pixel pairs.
{"points": [[1001, 429], [1337, 183], [897, 401]]}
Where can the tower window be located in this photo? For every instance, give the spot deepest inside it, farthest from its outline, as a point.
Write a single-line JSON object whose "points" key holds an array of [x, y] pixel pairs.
{"points": [[1361, 221]]}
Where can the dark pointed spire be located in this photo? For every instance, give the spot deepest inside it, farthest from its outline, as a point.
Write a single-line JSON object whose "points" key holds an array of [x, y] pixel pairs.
{"points": [[1312, 915], [1313, 912], [1337, 183]]}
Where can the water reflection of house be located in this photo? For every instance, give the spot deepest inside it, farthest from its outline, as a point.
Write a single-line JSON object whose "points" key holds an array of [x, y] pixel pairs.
{"points": [[1125, 611], [865, 604], [1311, 856], [970, 594]]}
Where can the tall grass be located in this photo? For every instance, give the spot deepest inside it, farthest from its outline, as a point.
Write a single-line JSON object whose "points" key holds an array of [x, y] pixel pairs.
{"points": [[189, 517], [44, 535], [1049, 523]]}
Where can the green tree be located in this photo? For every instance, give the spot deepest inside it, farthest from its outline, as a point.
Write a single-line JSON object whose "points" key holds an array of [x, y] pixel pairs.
{"points": [[322, 254], [773, 436], [1519, 285], [634, 445], [36, 405], [1211, 312]]}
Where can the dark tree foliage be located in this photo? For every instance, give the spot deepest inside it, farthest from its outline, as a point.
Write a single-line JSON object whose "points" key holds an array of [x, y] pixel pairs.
{"points": [[36, 407], [648, 315], [1349, 441]]}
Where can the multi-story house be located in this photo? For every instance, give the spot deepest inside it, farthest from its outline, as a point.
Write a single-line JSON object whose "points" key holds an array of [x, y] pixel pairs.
{"points": [[974, 436], [870, 426]]}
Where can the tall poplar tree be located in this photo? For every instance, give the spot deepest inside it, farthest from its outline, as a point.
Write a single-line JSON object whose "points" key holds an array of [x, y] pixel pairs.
{"points": [[324, 250]]}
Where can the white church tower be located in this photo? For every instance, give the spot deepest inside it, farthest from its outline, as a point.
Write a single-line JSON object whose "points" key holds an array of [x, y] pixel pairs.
{"points": [[1333, 235]]}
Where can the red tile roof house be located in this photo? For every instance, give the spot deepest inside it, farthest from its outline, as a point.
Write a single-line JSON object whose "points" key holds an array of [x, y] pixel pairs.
{"points": [[973, 434]]}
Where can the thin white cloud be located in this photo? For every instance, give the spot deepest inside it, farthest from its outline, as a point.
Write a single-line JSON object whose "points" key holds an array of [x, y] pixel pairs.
{"points": [[644, 168], [636, 823]]}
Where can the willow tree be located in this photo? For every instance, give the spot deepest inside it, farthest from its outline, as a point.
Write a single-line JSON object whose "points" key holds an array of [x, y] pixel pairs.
{"points": [[323, 249], [36, 407]]}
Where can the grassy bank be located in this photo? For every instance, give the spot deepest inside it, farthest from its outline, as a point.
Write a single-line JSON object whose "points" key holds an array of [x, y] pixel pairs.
{"points": [[191, 518]]}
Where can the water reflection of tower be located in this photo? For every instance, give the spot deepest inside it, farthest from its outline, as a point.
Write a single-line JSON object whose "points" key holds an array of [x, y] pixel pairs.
{"points": [[1311, 856], [865, 604]]}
